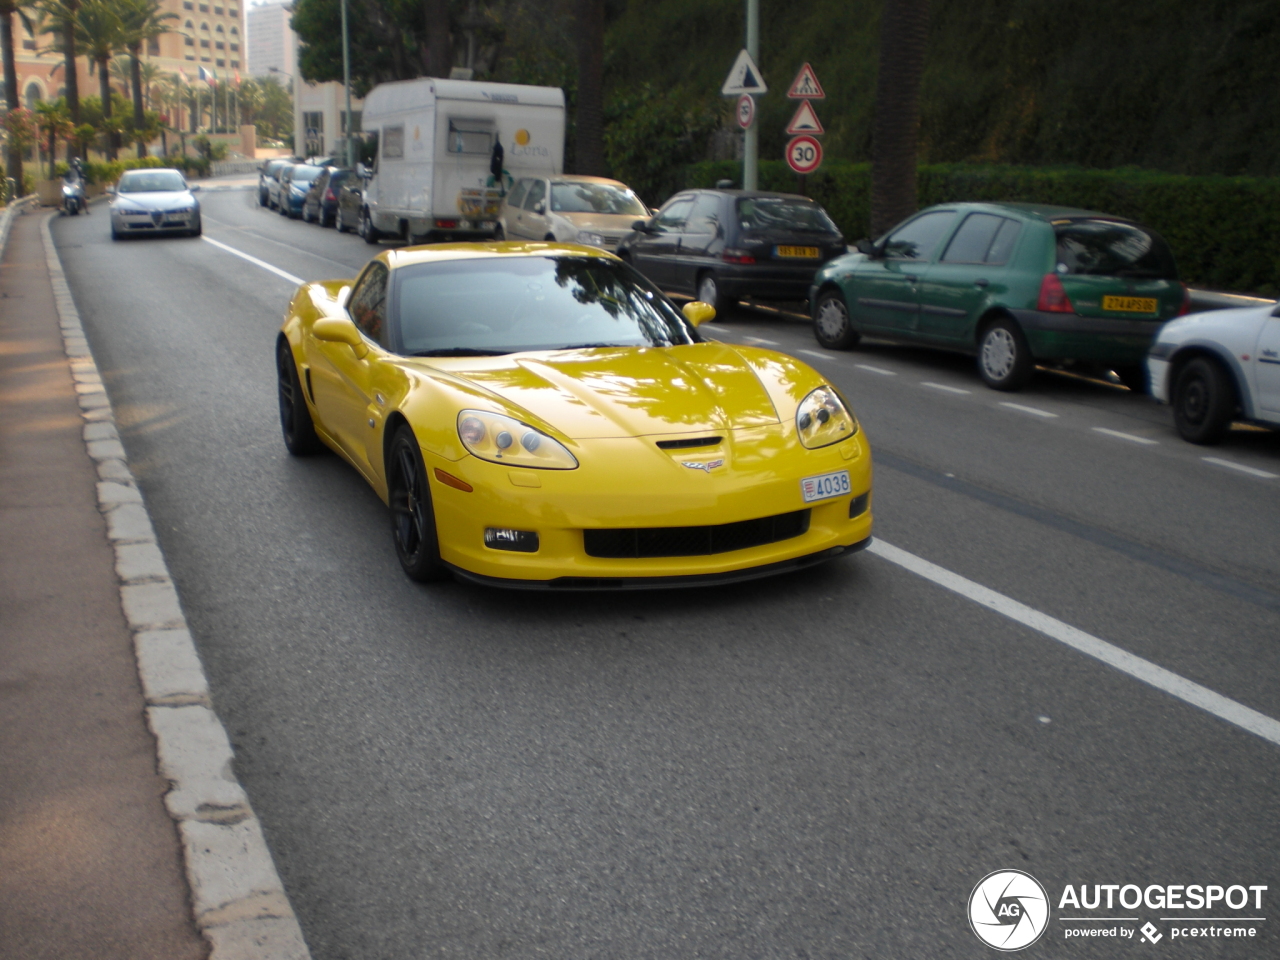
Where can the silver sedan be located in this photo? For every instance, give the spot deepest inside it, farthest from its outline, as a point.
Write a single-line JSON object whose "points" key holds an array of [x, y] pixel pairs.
{"points": [[154, 200]]}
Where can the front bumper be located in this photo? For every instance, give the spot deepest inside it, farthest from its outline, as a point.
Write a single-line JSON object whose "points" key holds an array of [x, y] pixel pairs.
{"points": [[1158, 378], [615, 488], [1069, 336], [767, 281], [164, 222]]}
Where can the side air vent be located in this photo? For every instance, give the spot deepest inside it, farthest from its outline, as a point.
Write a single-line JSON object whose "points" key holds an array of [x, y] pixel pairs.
{"points": [[688, 443]]}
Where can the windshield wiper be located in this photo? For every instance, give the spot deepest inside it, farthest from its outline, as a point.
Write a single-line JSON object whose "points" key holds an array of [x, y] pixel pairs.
{"points": [[460, 352]]}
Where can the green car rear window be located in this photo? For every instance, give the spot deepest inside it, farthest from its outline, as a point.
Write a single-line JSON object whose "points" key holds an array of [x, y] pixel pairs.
{"points": [[1109, 248]]}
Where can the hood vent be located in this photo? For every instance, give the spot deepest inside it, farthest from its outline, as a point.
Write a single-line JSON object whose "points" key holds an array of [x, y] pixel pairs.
{"points": [[688, 444]]}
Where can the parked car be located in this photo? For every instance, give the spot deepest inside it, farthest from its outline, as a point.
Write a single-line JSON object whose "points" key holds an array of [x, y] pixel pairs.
{"points": [[589, 210], [321, 202], [294, 184], [266, 176], [274, 181], [720, 245], [152, 201], [346, 215], [1217, 367], [1014, 284]]}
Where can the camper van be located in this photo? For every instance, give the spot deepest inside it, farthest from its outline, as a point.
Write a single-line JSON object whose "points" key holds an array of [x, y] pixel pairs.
{"points": [[448, 151]]}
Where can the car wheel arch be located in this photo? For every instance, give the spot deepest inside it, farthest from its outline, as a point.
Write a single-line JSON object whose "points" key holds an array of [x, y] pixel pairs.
{"points": [[986, 319], [395, 420], [1186, 354]]}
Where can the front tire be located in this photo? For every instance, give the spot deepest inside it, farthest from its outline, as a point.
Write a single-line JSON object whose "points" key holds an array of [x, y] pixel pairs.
{"points": [[832, 326], [1004, 357], [370, 233], [709, 292], [413, 521], [1204, 401], [295, 419], [338, 223], [499, 234]]}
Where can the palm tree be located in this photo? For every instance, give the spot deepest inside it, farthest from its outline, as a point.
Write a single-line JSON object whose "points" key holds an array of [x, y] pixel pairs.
{"points": [[54, 123], [141, 20], [61, 16], [100, 33], [7, 9], [589, 120], [904, 30]]}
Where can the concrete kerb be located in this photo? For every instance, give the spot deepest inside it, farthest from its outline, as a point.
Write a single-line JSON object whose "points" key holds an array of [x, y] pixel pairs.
{"points": [[9, 212], [238, 901]]}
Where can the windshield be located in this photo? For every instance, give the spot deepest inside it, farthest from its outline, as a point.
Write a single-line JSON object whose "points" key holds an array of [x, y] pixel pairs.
{"points": [[1113, 249], [510, 304], [303, 174], [151, 181], [595, 198], [781, 213]]}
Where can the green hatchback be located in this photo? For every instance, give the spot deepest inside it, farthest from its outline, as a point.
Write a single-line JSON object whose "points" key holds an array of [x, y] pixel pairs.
{"points": [[1013, 284]]}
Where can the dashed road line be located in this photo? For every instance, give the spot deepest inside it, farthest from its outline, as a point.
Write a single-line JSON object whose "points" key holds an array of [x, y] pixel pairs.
{"points": [[942, 386], [767, 343], [816, 353], [1231, 465], [1126, 436], [1035, 411], [1144, 670], [870, 369], [255, 261]]}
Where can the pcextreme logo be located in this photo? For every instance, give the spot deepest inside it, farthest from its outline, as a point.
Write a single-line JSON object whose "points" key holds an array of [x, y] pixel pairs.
{"points": [[1009, 910]]}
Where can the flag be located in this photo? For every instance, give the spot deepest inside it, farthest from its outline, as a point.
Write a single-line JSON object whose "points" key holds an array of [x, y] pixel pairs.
{"points": [[209, 77], [182, 75], [237, 78]]}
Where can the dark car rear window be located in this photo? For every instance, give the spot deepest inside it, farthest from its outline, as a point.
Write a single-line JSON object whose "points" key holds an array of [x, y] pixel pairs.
{"points": [[1109, 248], [782, 213]]}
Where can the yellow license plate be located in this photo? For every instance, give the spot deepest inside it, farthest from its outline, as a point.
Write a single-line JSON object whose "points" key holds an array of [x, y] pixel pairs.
{"points": [[806, 253], [1130, 304]]}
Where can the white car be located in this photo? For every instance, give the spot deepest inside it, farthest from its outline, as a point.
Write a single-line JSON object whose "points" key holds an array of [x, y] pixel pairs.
{"points": [[570, 209], [152, 201], [1217, 367]]}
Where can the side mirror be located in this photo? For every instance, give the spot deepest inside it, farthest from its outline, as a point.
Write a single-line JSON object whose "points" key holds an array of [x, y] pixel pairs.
{"points": [[111, 190], [698, 313], [644, 226], [361, 170], [337, 330], [866, 247], [540, 207]]}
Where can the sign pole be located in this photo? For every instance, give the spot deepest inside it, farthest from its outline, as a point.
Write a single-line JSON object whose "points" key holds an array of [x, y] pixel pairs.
{"points": [[750, 139]]}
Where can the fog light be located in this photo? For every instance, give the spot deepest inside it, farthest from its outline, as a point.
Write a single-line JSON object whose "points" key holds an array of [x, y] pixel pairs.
{"points": [[858, 505], [521, 541]]}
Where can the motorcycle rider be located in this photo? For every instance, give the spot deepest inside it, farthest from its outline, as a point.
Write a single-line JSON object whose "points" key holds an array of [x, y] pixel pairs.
{"points": [[73, 193]]}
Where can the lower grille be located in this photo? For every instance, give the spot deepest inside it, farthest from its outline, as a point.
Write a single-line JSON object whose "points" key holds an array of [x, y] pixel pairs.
{"points": [[694, 541]]}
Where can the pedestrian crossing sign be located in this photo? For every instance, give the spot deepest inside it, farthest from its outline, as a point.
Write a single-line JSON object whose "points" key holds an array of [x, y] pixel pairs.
{"points": [[806, 86]]}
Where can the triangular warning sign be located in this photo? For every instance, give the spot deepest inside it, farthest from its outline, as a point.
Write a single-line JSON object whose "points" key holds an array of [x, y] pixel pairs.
{"points": [[744, 78], [806, 86], [805, 121]]}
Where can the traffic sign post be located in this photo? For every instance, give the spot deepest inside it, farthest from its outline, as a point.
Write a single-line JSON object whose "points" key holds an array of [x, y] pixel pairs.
{"points": [[745, 82], [746, 112], [804, 154]]}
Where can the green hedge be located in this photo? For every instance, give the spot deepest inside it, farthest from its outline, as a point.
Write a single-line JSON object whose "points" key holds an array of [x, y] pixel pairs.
{"points": [[1224, 231]]}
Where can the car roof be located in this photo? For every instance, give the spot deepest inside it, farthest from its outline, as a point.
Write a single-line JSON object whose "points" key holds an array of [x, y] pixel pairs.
{"points": [[583, 178], [141, 170], [749, 194], [440, 252], [1038, 211]]}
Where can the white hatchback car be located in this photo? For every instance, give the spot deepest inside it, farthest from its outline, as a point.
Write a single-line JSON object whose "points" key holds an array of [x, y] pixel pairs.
{"points": [[570, 209], [1217, 367]]}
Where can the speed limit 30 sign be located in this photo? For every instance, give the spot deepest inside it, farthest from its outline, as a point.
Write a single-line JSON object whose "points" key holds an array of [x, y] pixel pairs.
{"points": [[804, 154]]}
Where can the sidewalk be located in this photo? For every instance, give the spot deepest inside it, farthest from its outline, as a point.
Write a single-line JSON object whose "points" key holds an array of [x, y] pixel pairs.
{"points": [[90, 861]]}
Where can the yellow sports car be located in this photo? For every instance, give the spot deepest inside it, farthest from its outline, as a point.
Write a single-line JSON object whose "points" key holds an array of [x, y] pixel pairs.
{"points": [[539, 415]]}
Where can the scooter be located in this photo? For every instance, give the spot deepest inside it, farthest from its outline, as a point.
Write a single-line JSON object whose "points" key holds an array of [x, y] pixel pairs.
{"points": [[73, 200]]}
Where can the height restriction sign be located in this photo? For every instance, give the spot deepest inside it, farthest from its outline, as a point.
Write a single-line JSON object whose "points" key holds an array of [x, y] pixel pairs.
{"points": [[804, 154]]}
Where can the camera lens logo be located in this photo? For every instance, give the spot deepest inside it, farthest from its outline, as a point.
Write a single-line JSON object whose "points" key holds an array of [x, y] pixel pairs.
{"points": [[1009, 910]]}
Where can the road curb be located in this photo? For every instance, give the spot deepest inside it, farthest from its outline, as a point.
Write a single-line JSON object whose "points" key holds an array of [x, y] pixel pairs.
{"points": [[6, 217], [238, 901]]}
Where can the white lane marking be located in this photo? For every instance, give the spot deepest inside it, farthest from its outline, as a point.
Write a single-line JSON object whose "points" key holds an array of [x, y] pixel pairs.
{"points": [[942, 386], [1252, 471], [767, 343], [1171, 683], [1125, 436], [247, 231], [871, 369], [255, 261], [1033, 410], [816, 353]]}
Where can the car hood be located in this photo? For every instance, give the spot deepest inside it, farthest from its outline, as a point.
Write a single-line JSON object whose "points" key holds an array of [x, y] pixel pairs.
{"points": [[610, 222], [1201, 324], [168, 200], [642, 391]]}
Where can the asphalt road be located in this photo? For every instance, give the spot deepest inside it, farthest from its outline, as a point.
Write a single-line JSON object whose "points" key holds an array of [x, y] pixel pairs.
{"points": [[820, 765]]}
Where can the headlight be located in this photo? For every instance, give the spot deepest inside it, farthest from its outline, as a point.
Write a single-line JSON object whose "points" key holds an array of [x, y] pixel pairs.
{"points": [[822, 419], [591, 239], [491, 436]]}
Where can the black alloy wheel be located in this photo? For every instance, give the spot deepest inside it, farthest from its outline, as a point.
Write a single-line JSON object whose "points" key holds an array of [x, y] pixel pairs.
{"points": [[1204, 401], [413, 521], [1004, 357], [832, 327], [295, 419]]}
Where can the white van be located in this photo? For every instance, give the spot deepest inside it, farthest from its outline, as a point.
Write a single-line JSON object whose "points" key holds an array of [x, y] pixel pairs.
{"points": [[439, 145]]}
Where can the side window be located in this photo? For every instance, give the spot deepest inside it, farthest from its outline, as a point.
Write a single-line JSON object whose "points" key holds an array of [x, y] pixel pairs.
{"points": [[537, 193], [672, 219], [918, 238], [1002, 245], [517, 194], [392, 143], [973, 239], [368, 303], [705, 215]]}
